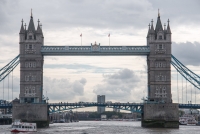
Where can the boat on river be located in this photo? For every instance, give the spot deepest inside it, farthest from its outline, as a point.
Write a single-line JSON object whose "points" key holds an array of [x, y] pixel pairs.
{"points": [[18, 126], [187, 119]]}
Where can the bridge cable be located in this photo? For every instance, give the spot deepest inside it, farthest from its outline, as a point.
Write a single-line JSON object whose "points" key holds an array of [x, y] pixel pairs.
{"points": [[177, 88], [3, 89], [195, 95], [8, 87], [186, 73], [182, 89], [12, 85], [186, 92]]}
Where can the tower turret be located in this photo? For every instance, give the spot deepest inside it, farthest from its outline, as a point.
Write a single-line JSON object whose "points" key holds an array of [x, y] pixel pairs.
{"points": [[148, 35], [31, 29], [152, 32], [39, 33], [22, 33], [159, 29], [168, 32]]}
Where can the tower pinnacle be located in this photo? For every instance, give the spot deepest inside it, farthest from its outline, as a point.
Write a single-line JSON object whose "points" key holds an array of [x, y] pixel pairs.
{"points": [[158, 13], [168, 28], [22, 28], [31, 13]]}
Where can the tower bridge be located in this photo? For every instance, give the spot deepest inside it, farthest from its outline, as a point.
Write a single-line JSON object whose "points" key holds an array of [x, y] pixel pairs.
{"points": [[159, 109]]}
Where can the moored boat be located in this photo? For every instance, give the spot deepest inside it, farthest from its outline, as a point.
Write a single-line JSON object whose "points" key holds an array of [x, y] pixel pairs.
{"points": [[18, 126], [187, 119]]}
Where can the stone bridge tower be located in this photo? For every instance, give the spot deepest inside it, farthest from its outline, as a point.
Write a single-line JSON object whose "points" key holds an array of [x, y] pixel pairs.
{"points": [[159, 111], [159, 63], [31, 63], [31, 107]]}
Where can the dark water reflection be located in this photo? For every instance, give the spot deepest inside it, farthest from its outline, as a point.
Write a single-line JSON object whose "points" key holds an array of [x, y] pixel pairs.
{"points": [[105, 127]]}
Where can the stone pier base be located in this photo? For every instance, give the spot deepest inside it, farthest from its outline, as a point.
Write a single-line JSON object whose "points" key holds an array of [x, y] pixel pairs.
{"points": [[160, 115], [31, 112]]}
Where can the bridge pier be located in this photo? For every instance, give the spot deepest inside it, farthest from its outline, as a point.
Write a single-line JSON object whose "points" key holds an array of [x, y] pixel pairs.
{"points": [[31, 112], [160, 115]]}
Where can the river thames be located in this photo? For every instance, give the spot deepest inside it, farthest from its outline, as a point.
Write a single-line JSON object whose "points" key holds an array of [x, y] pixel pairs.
{"points": [[105, 127]]}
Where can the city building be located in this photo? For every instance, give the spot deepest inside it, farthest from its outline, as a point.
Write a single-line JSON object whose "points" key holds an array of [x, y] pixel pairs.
{"points": [[100, 99]]}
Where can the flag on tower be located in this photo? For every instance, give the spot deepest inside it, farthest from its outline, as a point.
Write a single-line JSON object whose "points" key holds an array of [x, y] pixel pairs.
{"points": [[109, 35], [81, 35]]}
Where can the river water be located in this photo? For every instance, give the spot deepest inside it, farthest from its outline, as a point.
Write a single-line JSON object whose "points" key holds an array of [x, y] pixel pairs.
{"points": [[106, 127]]}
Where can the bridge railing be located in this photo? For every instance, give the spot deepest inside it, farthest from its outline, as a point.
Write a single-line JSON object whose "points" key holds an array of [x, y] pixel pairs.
{"points": [[93, 103]]}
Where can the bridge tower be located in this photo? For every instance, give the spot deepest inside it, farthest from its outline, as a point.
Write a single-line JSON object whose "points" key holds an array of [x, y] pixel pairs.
{"points": [[159, 63], [31, 63], [31, 107], [159, 111]]}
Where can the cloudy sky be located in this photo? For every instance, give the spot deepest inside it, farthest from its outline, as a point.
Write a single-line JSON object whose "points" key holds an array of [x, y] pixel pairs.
{"points": [[79, 78]]}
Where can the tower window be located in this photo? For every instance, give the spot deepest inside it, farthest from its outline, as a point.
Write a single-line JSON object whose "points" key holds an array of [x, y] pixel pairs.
{"points": [[160, 46], [26, 78], [160, 37], [30, 37], [30, 46], [26, 64], [160, 64]]}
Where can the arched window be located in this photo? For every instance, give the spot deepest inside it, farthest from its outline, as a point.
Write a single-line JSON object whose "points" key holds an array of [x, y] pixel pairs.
{"points": [[156, 64], [34, 64], [160, 64], [33, 90], [30, 46], [30, 65], [27, 78], [26, 90], [160, 46], [30, 37]]}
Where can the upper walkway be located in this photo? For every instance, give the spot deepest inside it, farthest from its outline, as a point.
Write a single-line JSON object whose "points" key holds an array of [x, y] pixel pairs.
{"points": [[94, 50]]}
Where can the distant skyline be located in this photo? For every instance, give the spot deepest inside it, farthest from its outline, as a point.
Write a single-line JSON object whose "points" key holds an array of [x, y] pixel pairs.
{"points": [[82, 78]]}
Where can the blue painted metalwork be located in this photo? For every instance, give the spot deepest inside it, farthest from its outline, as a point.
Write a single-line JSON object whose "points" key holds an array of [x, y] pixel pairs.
{"points": [[57, 107], [2, 106], [5, 71], [189, 106], [95, 50], [190, 76]]}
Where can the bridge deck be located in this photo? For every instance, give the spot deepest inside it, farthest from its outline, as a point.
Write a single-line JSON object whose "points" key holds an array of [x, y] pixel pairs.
{"points": [[135, 107], [95, 50]]}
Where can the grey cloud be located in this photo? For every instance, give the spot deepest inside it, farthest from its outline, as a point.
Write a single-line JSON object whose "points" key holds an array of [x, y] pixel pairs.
{"points": [[187, 53], [64, 89], [118, 86], [83, 81], [70, 66], [97, 14], [122, 74], [81, 67]]}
